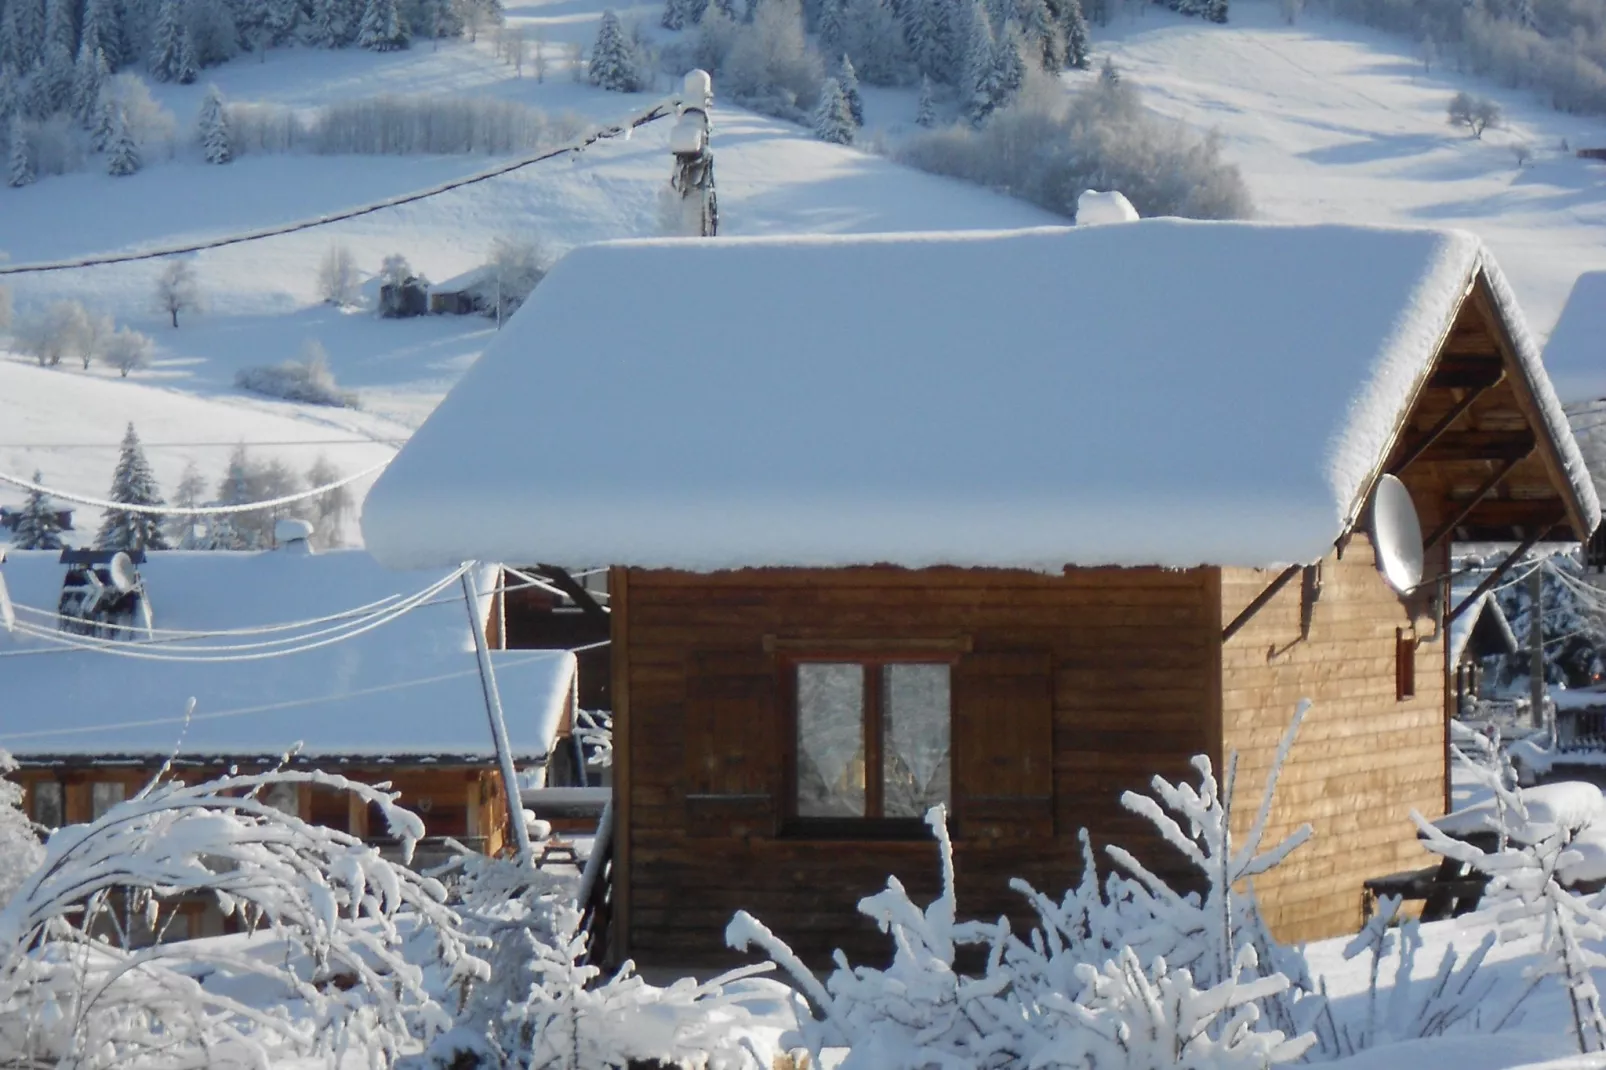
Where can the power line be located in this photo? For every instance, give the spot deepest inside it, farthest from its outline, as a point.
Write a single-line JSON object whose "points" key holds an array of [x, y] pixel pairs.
{"points": [[392, 442], [661, 110], [199, 510]]}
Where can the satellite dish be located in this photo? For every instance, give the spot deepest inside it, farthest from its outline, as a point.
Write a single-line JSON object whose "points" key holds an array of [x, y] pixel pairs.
{"points": [[1396, 535], [123, 576]]}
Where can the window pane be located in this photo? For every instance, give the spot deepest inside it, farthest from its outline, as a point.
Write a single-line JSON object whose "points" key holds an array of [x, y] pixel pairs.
{"points": [[47, 804], [914, 738], [830, 740], [102, 797]]}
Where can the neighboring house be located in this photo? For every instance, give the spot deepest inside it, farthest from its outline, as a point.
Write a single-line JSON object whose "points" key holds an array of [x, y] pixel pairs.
{"points": [[400, 702], [1575, 359], [1480, 631], [409, 298], [9, 515], [462, 294], [1012, 522]]}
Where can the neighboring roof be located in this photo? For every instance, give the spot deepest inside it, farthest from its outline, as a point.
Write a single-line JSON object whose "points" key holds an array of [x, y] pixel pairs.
{"points": [[1483, 618], [467, 281], [1160, 392], [406, 690], [1575, 355]]}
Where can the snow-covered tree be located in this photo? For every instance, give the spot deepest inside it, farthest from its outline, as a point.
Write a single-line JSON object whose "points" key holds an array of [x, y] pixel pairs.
{"points": [[212, 128], [832, 27], [61, 25], [133, 483], [847, 79], [89, 76], [187, 68], [833, 121], [19, 155], [22, 34], [615, 63], [978, 92], [20, 849], [102, 31], [284, 18], [382, 28], [926, 106], [167, 41], [122, 154], [177, 290], [332, 509], [107, 117], [1009, 66], [1073, 28], [1477, 114], [36, 529], [516, 268], [874, 36], [63, 330], [339, 282], [334, 22], [10, 95], [51, 85], [129, 350], [674, 16], [94, 335]]}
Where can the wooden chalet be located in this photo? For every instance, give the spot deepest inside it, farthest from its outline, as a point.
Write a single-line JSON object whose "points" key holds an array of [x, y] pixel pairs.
{"points": [[894, 527], [399, 703]]}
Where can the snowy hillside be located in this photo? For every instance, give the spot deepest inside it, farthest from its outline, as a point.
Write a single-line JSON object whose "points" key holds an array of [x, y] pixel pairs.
{"points": [[1328, 122]]}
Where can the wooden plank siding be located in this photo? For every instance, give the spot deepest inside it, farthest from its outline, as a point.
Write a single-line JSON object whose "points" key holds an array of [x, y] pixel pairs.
{"points": [[1129, 658], [1364, 758]]}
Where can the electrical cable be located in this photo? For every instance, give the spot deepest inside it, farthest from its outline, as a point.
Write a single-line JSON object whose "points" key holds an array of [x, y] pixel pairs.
{"points": [[624, 127], [199, 510]]}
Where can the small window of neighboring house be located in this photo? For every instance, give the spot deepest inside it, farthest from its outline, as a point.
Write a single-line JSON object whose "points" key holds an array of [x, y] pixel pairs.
{"points": [[103, 795], [46, 806], [872, 739]]}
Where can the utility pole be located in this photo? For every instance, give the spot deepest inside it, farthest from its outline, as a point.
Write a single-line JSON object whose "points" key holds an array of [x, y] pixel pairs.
{"points": [[694, 161], [493, 712], [1536, 645]]}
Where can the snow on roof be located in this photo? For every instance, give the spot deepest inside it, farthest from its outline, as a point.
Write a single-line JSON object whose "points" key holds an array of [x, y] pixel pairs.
{"points": [[468, 280], [406, 689], [1462, 627], [1162, 392], [1575, 356]]}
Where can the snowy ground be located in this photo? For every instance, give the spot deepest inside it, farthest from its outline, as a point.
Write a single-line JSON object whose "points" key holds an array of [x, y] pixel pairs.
{"points": [[1328, 122]]}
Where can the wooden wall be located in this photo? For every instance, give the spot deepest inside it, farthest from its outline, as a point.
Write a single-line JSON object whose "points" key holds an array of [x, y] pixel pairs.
{"points": [[1363, 760], [1129, 664]]}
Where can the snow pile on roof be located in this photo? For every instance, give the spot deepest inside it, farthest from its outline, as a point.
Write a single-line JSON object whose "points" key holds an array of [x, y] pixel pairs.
{"points": [[407, 688], [1571, 804], [1159, 393], [1094, 208], [1575, 356]]}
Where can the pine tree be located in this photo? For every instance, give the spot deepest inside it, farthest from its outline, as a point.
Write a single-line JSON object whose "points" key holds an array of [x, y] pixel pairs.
{"points": [[674, 17], [104, 131], [1009, 68], [27, 33], [52, 82], [103, 31], [1214, 10], [187, 69], [848, 79], [926, 109], [122, 154], [614, 64], [133, 483], [9, 44], [213, 128], [59, 25], [833, 121], [19, 168], [833, 31], [167, 41], [284, 18], [1078, 47], [10, 96], [382, 28], [37, 527], [1045, 43], [976, 88], [89, 74]]}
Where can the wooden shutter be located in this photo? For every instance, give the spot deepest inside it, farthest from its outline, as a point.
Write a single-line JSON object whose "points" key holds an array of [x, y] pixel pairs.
{"points": [[1003, 739], [733, 746]]}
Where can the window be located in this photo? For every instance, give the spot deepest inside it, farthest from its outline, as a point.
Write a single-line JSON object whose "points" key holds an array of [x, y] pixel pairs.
{"points": [[873, 739], [46, 807], [1404, 666], [103, 795]]}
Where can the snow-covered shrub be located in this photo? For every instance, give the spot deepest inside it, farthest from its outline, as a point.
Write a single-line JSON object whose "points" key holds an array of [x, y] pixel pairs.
{"points": [[20, 849], [1047, 148], [333, 967], [62, 330], [1477, 114], [153, 127], [432, 125], [339, 283], [307, 379], [128, 350], [177, 290], [263, 128], [516, 266], [1132, 974]]}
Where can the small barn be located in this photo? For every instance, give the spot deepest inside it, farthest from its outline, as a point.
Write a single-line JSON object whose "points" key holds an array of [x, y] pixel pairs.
{"points": [[398, 699], [461, 295], [401, 300], [1010, 521]]}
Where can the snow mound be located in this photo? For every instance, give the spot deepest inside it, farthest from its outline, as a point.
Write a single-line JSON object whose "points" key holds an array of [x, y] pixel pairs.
{"points": [[1094, 208], [1571, 804], [1224, 397]]}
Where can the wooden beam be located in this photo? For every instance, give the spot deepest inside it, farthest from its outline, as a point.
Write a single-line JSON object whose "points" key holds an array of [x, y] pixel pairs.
{"points": [[1501, 569], [1260, 601], [623, 759], [1483, 491], [1420, 446], [1467, 373], [1479, 446], [577, 594]]}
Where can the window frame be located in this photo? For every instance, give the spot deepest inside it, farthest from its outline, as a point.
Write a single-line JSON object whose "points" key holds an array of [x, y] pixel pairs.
{"points": [[874, 825]]}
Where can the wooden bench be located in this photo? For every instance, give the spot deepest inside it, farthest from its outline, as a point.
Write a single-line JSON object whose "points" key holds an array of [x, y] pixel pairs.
{"points": [[1447, 890]]}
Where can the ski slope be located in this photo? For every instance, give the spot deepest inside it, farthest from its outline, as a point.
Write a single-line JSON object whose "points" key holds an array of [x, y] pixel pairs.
{"points": [[1329, 122]]}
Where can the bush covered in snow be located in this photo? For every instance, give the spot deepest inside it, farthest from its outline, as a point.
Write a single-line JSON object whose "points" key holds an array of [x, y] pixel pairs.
{"points": [[333, 968], [399, 125], [1048, 147], [20, 850], [307, 379]]}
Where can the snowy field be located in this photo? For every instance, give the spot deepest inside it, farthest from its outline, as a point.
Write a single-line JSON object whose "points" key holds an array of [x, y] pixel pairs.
{"points": [[1329, 122]]}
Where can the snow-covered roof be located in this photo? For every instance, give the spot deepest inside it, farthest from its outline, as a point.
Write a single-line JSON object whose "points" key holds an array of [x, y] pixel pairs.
{"points": [[468, 280], [1161, 392], [408, 689], [1575, 355], [1486, 608]]}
